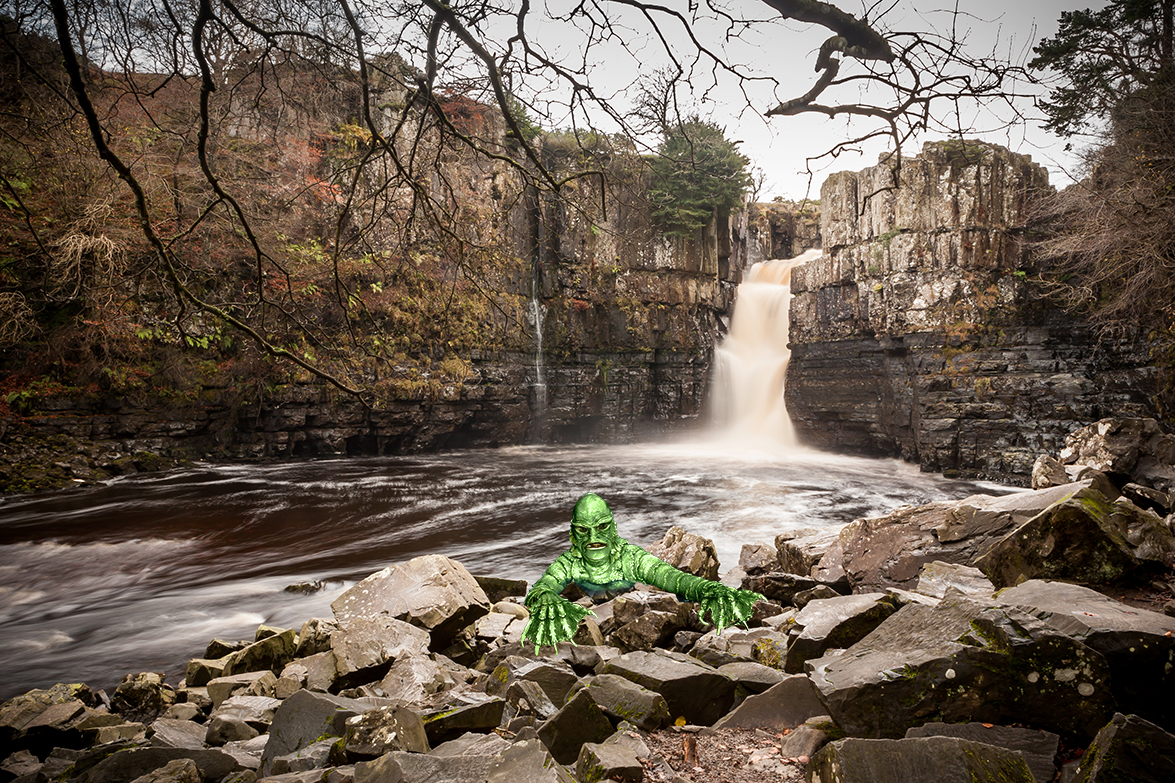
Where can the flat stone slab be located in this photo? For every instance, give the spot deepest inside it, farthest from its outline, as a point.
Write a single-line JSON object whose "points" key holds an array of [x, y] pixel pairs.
{"points": [[1038, 747], [785, 705], [922, 760], [691, 689]]}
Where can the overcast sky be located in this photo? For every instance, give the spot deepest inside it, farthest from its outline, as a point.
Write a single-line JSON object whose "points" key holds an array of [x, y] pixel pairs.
{"points": [[785, 52]]}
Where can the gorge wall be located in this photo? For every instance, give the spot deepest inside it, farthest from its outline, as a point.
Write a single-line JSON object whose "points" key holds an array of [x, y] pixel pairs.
{"points": [[919, 332]]}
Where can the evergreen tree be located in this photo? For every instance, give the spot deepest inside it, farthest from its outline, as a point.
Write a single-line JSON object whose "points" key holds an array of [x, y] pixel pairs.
{"points": [[696, 172]]}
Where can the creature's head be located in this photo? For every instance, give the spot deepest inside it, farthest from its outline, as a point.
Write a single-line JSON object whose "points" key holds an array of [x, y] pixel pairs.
{"points": [[593, 531]]}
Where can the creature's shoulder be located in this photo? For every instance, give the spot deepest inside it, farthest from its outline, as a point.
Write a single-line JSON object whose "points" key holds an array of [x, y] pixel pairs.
{"points": [[633, 557]]}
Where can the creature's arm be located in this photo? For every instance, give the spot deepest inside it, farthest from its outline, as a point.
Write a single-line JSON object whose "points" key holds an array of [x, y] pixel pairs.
{"points": [[553, 618], [725, 605]]}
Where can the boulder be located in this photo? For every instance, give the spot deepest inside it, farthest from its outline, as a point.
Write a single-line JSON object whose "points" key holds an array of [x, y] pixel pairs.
{"points": [[1148, 499], [314, 637], [314, 756], [778, 586], [1048, 472], [961, 661], [828, 623], [413, 678], [404, 767], [131, 763], [270, 653], [1039, 748], [758, 558], [222, 648], [257, 711], [142, 697], [462, 711], [66, 724], [920, 760], [472, 744], [805, 597], [498, 589], [785, 705], [527, 698], [17, 712], [1135, 449], [622, 699], [937, 577], [170, 733], [383, 730], [687, 551], [20, 763], [527, 762], [307, 717], [600, 761], [1084, 538], [433, 592], [751, 676], [1128, 748], [691, 689], [364, 648], [223, 729], [1138, 646], [808, 738], [651, 629], [321, 671], [890, 551], [175, 771], [222, 688], [556, 678], [800, 550], [201, 670], [578, 721]]}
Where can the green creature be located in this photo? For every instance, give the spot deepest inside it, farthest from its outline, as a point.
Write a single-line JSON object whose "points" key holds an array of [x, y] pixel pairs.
{"points": [[601, 562]]}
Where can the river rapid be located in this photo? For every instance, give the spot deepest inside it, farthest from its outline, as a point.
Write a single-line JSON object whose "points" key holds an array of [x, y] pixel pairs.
{"points": [[139, 574]]}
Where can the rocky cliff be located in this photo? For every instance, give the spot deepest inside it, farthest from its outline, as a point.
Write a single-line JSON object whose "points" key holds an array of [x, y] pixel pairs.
{"points": [[919, 332]]}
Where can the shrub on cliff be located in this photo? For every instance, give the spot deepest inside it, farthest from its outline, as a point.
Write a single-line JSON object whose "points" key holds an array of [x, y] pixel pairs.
{"points": [[697, 171]]}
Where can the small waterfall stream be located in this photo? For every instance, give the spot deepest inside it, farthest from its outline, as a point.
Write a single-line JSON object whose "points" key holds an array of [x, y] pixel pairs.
{"points": [[751, 363], [538, 313]]}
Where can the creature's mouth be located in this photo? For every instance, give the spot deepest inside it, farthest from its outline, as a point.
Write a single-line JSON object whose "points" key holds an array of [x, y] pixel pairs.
{"points": [[597, 545]]}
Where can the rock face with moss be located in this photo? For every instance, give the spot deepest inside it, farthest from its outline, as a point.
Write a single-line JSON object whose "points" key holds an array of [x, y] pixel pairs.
{"points": [[920, 332]]}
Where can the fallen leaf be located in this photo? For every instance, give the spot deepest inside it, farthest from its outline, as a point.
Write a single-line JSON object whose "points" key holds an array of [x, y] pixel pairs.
{"points": [[987, 725], [802, 759]]}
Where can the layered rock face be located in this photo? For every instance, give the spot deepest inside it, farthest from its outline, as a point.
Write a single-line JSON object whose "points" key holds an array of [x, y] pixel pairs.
{"points": [[919, 332]]}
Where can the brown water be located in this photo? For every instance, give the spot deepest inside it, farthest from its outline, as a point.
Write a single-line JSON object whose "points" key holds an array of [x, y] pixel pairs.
{"points": [[139, 575]]}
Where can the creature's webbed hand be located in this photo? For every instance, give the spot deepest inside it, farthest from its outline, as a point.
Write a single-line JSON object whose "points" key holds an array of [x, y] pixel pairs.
{"points": [[725, 605], [553, 619]]}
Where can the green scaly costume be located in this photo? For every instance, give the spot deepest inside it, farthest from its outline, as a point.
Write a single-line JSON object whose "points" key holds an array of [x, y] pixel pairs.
{"points": [[600, 561]]}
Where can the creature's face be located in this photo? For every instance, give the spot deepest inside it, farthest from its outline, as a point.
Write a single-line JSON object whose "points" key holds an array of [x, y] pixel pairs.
{"points": [[593, 531]]}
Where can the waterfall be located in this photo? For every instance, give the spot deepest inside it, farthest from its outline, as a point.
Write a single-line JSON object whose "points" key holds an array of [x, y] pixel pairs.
{"points": [[751, 363], [538, 312]]}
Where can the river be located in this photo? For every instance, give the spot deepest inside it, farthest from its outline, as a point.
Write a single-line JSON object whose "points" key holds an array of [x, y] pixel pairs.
{"points": [[139, 574]]}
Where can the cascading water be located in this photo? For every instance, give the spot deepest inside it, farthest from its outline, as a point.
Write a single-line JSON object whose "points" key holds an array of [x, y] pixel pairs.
{"points": [[751, 363], [538, 312]]}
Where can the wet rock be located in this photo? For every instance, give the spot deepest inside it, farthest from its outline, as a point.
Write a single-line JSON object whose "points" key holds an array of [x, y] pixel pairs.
{"points": [[687, 551], [222, 688], [1039, 748], [1129, 748], [270, 653], [1138, 646], [785, 705], [364, 648], [168, 733], [412, 678], [778, 586], [314, 637], [383, 730], [19, 711], [471, 744], [829, 623], [890, 551], [800, 550], [1084, 538], [804, 597], [132, 763], [175, 771], [321, 671], [651, 629], [1134, 448], [691, 689], [142, 697], [527, 762], [938, 577], [1048, 472], [752, 676], [556, 678], [808, 738], [599, 761], [758, 558], [578, 721], [223, 729], [20, 763], [463, 711], [307, 717], [184, 711], [403, 767], [315, 756], [498, 589], [528, 699], [921, 760], [432, 592], [622, 699], [961, 661], [257, 711], [201, 670], [1148, 499], [222, 648]]}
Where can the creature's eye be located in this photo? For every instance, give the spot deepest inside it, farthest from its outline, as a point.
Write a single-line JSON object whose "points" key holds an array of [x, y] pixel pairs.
{"points": [[602, 527]]}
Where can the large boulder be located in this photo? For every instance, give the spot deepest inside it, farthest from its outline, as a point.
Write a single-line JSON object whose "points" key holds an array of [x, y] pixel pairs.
{"points": [[917, 760], [1134, 449], [828, 623], [142, 697], [1129, 749], [781, 707], [621, 699], [692, 690], [578, 721], [308, 717], [383, 730], [1038, 747], [1084, 538], [271, 653], [433, 592], [890, 551], [962, 661], [365, 647], [413, 678], [1139, 646], [687, 551], [131, 763], [800, 550], [461, 711]]}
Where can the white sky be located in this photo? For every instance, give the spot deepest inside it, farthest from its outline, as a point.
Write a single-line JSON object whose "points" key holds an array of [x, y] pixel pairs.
{"points": [[785, 51]]}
